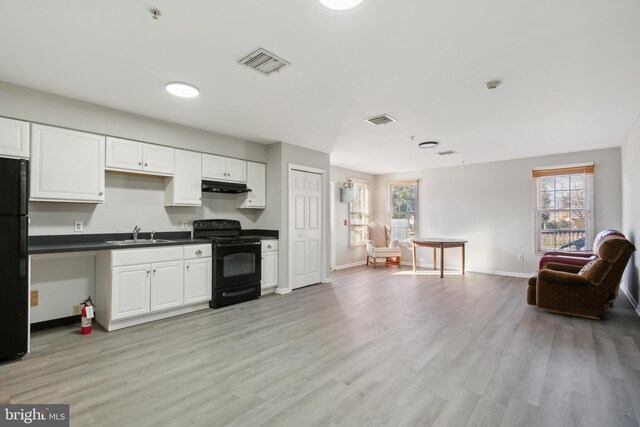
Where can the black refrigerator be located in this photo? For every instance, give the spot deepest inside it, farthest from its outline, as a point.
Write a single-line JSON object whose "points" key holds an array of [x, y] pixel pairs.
{"points": [[14, 275]]}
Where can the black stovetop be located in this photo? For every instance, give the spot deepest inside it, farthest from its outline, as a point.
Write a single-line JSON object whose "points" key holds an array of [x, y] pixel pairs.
{"points": [[221, 231]]}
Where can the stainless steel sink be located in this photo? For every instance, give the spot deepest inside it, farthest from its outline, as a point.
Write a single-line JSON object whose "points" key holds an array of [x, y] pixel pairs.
{"points": [[131, 242]]}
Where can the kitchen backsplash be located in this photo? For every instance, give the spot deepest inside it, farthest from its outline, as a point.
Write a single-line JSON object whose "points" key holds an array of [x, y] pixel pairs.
{"points": [[132, 200]]}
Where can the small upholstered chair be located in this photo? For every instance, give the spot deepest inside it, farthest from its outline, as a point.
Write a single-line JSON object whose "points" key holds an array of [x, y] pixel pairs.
{"points": [[586, 291], [575, 258], [380, 245]]}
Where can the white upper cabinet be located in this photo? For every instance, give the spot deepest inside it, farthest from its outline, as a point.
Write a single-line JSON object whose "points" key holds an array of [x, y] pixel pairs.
{"points": [[185, 188], [134, 156], [158, 159], [217, 168], [66, 165], [257, 182], [14, 138]]}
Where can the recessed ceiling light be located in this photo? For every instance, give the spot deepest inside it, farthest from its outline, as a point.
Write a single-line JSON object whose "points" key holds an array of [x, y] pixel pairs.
{"points": [[428, 144], [492, 84], [183, 90], [340, 4]]}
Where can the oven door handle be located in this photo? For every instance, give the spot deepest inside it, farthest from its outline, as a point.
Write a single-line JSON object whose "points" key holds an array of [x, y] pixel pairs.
{"points": [[235, 245]]}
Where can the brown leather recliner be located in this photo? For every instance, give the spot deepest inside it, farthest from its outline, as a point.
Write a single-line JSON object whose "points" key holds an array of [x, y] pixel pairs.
{"points": [[585, 292]]}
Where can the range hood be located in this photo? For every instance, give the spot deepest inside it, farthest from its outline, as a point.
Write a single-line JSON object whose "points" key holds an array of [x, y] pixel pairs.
{"points": [[224, 187]]}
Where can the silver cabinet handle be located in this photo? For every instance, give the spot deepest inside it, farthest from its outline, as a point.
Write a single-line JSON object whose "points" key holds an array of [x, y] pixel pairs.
{"points": [[154, 270], [198, 252], [139, 163], [268, 246], [146, 164], [188, 267], [148, 272], [100, 193]]}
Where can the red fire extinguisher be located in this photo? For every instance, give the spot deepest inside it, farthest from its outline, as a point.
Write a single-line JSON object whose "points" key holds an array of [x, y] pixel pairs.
{"points": [[85, 317]]}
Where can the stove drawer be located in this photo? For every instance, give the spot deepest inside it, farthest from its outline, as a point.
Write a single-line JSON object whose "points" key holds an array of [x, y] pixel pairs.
{"points": [[197, 251], [229, 296]]}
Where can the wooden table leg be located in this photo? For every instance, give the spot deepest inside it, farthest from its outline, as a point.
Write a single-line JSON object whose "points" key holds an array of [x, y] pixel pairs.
{"points": [[441, 260], [435, 265], [463, 258], [414, 257]]}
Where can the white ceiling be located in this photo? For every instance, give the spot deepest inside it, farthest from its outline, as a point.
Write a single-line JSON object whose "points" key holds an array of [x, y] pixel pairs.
{"points": [[570, 71]]}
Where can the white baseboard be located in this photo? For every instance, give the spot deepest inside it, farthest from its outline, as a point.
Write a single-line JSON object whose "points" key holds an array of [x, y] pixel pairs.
{"points": [[631, 299], [475, 270], [503, 273], [282, 291], [353, 264]]}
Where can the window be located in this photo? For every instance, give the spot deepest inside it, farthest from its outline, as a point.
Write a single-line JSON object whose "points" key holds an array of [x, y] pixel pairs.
{"points": [[403, 209], [563, 208], [359, 213]]}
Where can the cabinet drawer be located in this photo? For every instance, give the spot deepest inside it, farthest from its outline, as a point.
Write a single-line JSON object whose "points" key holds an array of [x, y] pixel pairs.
{"points": [[145, 255], [197, 251], [269, 245]]}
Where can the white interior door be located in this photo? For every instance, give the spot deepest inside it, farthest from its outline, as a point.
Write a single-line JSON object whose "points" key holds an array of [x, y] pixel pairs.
{"points": [[306, 227]]}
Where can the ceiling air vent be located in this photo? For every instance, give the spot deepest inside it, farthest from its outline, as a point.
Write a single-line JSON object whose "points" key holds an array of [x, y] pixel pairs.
{"points": [[264, 62], [447, 153], [380, 120]]}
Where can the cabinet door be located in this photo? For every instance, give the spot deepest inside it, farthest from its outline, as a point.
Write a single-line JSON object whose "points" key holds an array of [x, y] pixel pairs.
{"points": [[256, 181], [158, 159], [214, 167], [123, 154], [197, 280], [185, 188], [236, 170], [269, 270], [130, 291], [66, 165], [167, 289], [14, 138]]}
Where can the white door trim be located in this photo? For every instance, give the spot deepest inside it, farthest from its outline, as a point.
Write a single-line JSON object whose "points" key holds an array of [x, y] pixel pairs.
{"points": [[332, 223], [323, 238]]}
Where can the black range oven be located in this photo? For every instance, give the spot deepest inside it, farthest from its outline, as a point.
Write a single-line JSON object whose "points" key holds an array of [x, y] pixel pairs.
{"points": [[237, 261]]}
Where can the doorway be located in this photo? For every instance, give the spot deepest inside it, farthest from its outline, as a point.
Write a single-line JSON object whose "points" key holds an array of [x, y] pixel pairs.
{"points": [[305, 227]]}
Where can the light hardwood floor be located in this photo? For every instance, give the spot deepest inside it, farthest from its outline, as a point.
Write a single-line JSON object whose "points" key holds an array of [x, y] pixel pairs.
{"points": [[373, 348]]}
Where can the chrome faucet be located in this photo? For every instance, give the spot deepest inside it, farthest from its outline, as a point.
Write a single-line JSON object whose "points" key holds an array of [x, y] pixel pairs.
{"points": [[152, 234], [136, 230]]}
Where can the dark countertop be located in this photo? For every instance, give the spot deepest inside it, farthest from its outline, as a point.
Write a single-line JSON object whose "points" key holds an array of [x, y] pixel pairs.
{"points": [[97, 242]]}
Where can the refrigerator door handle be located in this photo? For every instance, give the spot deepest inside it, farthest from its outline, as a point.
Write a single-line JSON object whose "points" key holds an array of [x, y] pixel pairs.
{"points": [[24, 188], [22, 265]]}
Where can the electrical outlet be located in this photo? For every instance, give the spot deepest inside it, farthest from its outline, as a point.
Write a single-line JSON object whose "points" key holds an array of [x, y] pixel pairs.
{"points": [[520, 257], [77, 309], [77, 226], [184, 225]]}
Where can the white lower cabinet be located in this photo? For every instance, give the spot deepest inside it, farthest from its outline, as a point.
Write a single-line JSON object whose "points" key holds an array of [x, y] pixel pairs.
{"points": [[167, 290], [269, 266], [130, 293], [141, 285], [197, 280]]}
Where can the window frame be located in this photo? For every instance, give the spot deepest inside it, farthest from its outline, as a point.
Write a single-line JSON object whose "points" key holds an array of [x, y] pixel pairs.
{"points": [[587, 170], [390, 211], [366, 215]]}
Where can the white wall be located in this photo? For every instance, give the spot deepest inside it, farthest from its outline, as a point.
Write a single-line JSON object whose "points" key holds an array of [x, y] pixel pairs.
{"points": [[491, 206], [631, 208], [345, 254]]}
